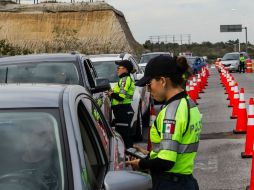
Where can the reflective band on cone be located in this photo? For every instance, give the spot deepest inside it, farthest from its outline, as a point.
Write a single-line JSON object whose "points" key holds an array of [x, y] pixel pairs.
{"points": [[248, 152], [235, 102], [241, 124]]}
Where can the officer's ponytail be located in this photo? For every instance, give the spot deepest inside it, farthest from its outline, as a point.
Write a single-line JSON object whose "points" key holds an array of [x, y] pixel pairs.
{"points": [[183, 72]]}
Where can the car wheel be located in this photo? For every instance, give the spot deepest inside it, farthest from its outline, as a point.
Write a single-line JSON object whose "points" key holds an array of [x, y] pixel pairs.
{"points": [[138, 127]]}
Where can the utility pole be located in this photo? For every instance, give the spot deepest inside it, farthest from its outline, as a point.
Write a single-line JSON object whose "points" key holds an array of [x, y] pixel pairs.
{"points": [[246, 38]]}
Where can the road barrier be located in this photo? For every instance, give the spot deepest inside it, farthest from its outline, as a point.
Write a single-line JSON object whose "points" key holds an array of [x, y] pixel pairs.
{"points": [[250, 132], [241, 123], [248, 66]]}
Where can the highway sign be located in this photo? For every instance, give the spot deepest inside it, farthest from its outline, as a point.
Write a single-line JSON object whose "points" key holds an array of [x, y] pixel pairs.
{"points": [[231, 28]]}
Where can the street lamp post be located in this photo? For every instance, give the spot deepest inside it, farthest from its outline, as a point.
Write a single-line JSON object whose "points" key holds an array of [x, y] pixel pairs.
{"points": [[246, 38]]}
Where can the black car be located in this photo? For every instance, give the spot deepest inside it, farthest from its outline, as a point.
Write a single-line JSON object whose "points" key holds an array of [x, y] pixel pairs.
{"points": [[68, 68], [55, 137]]}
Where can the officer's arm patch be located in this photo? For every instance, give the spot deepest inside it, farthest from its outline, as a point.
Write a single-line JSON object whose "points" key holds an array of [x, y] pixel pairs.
{"points": [[168, 126]]}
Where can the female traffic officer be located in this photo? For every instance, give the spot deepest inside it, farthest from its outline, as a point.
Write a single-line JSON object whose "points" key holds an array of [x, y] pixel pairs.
{"points": [[176, 130], [121, 98]]}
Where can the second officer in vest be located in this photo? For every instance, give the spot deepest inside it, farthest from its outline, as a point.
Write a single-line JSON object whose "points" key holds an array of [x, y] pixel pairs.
{"points": [[121, 98], [176, 130]]}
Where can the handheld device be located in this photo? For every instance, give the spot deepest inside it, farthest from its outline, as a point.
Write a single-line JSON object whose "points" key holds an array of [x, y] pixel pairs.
{"points": [[134, 152]]}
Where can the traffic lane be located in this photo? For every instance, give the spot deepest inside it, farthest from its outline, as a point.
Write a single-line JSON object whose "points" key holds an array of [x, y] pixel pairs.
{"points": [[246, 81], [219, 165], [214, 107]]}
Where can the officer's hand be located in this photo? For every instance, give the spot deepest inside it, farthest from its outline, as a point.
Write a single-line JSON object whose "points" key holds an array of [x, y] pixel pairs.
{"points": [[139, 148], [134, 164], [108, 93]]}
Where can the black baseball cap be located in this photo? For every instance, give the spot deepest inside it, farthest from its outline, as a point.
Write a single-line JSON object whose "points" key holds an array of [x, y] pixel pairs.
{"points": [[162, 65], [125, 63]]}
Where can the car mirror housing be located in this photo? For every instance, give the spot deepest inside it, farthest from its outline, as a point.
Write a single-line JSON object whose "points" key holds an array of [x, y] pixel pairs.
{"points": [[125, 180], [139, 76], [101, 85]]}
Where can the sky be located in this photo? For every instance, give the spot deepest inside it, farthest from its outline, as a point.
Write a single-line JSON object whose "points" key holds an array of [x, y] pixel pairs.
{"points": [[199, 18]]}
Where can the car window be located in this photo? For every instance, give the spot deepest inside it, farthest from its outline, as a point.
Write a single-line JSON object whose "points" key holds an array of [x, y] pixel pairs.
{"points": [[42, 72], [147, 58], [96, 165], [106, 69], [31, 156]]}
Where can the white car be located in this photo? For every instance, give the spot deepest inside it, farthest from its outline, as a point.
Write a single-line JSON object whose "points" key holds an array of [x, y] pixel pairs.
{"points": [[146, 57], [105, 66]]}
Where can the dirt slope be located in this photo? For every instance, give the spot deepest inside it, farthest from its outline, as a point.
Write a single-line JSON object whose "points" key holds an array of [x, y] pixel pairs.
{"points": [[55, 27]]}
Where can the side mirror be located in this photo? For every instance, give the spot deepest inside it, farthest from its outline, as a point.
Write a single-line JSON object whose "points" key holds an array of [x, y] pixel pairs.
{"points": [[101, 85], [139, 76], [125, 180]]}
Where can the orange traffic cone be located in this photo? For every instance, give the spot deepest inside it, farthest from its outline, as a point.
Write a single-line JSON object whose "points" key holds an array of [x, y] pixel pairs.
{"points": [[250, 132], [235, 102], [241, 124], [251, 187], [152, 119]]}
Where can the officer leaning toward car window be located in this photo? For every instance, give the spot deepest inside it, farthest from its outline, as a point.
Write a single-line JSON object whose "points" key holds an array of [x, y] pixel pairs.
{"points": [[121, 98], [176, 130], [242, 63]]}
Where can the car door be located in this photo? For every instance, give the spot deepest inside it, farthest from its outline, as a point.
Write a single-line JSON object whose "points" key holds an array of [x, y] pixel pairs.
{"points": [[92, 154], [111, 142], [101, 99]]}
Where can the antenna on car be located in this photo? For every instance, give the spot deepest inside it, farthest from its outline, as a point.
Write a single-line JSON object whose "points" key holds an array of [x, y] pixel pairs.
{"points": [[122, 55]]}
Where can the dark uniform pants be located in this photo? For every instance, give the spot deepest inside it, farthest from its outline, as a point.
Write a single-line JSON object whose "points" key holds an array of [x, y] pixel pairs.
{"points": [[123, 116], [175, 183], [241, 68]]}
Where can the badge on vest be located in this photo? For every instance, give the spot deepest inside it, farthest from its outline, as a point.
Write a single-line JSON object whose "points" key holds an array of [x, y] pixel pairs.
{"points": [[168, 126], [123, 83]]}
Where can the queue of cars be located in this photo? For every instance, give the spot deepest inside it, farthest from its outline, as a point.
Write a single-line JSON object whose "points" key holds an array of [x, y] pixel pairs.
{"points": [[58, 135], [195, 62]]}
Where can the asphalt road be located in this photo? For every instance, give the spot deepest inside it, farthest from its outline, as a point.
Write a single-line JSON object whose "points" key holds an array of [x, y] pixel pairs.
{"points": [[219, 165]]}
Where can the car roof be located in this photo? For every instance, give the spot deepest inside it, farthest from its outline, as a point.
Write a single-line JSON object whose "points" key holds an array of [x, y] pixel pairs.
{"points": [[237, 53], [107, 57], [31, 95], [155, 53], [39, 58]]}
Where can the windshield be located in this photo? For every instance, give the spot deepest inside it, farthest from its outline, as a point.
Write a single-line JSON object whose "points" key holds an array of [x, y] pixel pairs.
{"points": [[148, 57], [230, 56], [106, 69], [43, 72], [31, 156], [191, 60]]}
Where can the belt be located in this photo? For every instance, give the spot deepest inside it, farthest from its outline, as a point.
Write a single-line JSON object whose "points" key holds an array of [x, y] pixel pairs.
{"points": [[173, 177]]}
